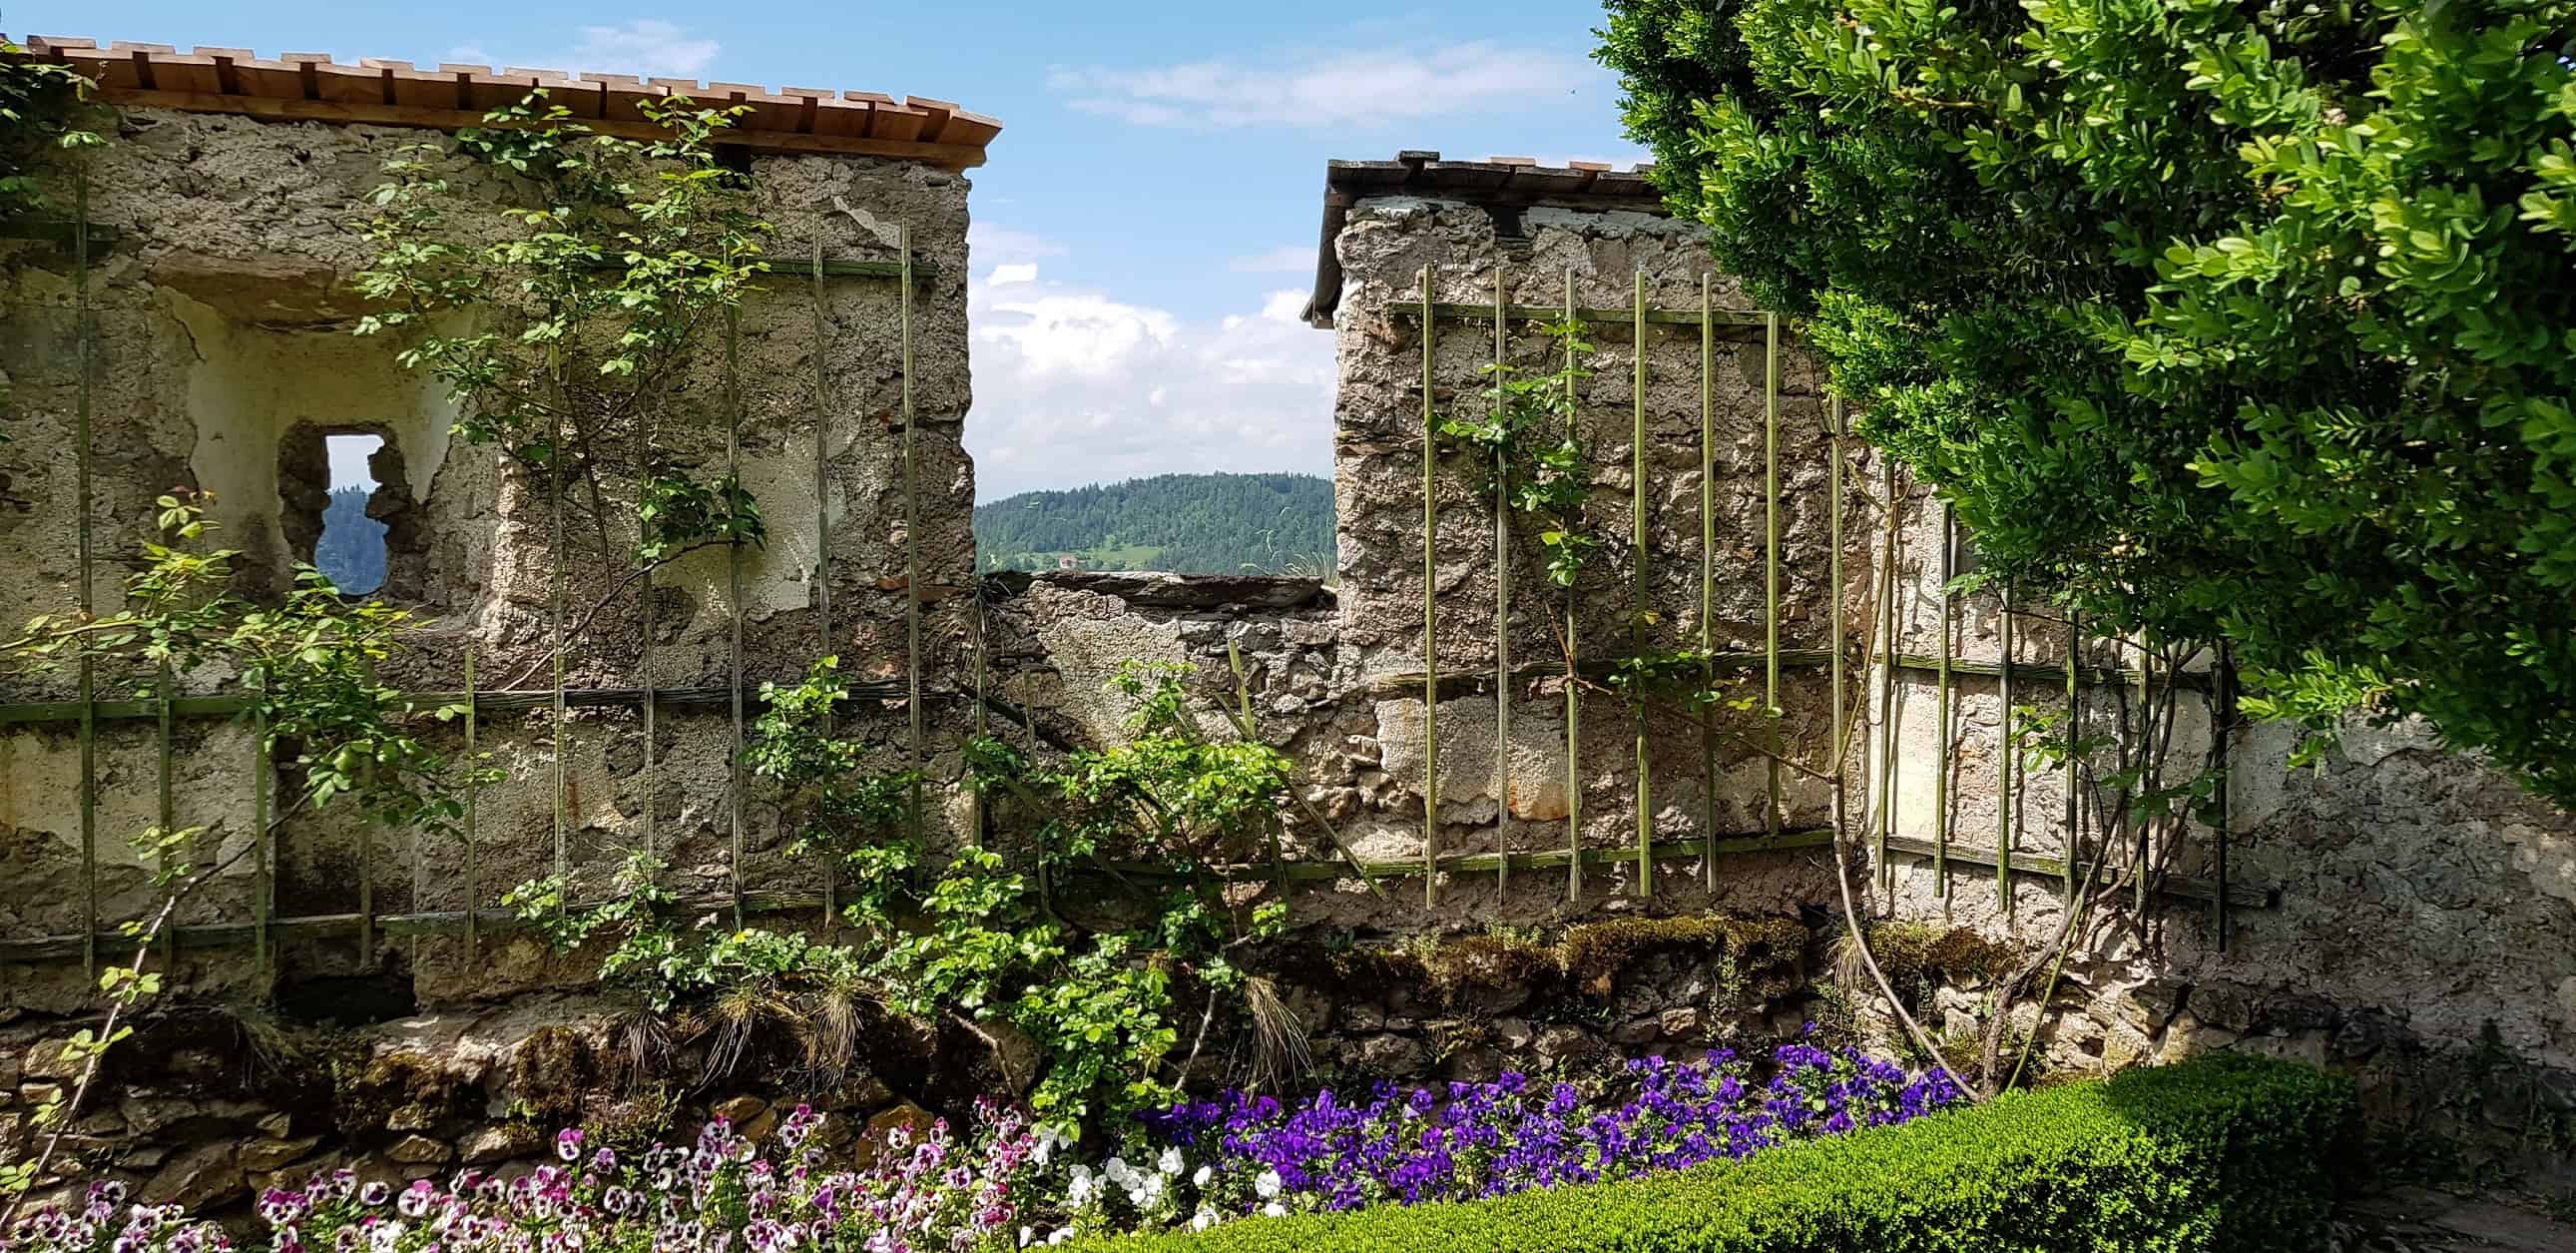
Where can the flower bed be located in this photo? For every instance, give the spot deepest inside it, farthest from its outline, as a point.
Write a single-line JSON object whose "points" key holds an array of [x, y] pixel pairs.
{"points": [[1008, 1183]]}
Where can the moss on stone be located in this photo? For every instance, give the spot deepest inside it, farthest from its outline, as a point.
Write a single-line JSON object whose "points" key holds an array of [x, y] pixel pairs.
{"points": [[1919, 952], [1460, 970], [1766, 950], [398, 1089], [551, 1072]]}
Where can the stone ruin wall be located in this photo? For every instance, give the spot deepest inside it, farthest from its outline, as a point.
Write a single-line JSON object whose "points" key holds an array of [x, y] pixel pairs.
{"points": [[223, 352], [2422, 896]]}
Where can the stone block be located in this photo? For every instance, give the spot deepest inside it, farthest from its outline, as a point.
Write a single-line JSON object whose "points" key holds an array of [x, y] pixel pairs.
{"points": [[198, 1178], [419, 1150]]}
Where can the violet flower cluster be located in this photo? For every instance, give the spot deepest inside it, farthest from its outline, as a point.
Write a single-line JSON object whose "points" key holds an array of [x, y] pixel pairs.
{"points": [[721, 1195], [1491, 1139]]}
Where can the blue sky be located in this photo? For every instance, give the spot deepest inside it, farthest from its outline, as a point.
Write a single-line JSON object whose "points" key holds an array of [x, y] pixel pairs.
{"points": [[1146, 225]]}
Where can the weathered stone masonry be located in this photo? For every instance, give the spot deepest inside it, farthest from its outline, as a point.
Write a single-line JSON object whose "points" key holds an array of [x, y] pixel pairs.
{"points": [[222, 353]]}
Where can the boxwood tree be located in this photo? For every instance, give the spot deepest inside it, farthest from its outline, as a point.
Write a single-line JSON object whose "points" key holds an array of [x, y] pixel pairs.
{"points": [[2247, 317]]}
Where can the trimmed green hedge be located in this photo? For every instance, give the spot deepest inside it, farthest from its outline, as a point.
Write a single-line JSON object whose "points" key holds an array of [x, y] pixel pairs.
{"points": [[2225, 1154]]}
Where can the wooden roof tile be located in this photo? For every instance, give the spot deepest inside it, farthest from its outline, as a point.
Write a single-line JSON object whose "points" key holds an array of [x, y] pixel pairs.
{"points": [[312, 86]]}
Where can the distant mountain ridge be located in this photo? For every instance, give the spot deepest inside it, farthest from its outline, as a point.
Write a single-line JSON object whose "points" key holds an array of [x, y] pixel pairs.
{"points": [[1184, 523]]}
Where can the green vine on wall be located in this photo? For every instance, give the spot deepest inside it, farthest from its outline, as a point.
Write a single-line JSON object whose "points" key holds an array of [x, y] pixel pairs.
{"points": [[613, 268], [976, 936], [1526, 430], [43, 108]]}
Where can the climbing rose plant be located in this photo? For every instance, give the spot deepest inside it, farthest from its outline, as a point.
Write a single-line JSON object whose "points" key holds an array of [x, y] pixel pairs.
{"points": [[2209, 318]]}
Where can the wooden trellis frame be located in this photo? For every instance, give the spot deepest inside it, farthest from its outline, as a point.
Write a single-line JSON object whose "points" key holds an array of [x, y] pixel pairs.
{"points": [[2006, 858]]}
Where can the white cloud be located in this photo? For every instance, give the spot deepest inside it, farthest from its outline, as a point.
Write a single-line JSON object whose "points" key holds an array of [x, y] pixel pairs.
{"points": [[1017, 272], [1074, 386], [1293, 259], [1001, 244], [647, 47], [1332, 90]]}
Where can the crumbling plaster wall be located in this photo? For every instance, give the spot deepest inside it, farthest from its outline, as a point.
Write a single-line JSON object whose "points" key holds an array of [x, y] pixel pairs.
{"points": [[224, 313]]}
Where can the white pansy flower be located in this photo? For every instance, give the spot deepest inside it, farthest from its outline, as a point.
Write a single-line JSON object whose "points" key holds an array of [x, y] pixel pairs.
{"points": [[1203, 1220], [1171, 1161], [1267, 1186], [1205, 1173], [1273, 1210], [1049, 1139]]}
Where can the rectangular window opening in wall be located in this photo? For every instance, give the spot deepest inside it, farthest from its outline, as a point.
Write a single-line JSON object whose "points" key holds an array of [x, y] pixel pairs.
{"points": [[351, 550]]}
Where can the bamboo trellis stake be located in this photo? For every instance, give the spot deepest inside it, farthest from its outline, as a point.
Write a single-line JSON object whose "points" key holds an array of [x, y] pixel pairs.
{"points": [[82, 335], [366, 876], [1502, 604], [823, 522], [473, 795], [2146, 744], [1246, 726], [911, 542], [1834, 584], [554, 478], [1573, 638], [2007, 795], [418, 873], [1707, 578], [262, 886], [2074, 737], [644, 610], [168, 813], [2223, 733], [1887, 737], [1430, 614], [974, 796], [1478, 312], [445, 922], [733, 594], [1637, 554], [1941, 717], [1771, 566], [442, 922]]}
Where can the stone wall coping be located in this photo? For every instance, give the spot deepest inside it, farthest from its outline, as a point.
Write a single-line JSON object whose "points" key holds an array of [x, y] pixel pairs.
{"points": [[1500, 182], [1155, 589]]}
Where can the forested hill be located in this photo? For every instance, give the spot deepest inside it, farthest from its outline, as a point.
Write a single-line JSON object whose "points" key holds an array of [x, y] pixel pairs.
{"points": [[1187, 523], [352, 548]]}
